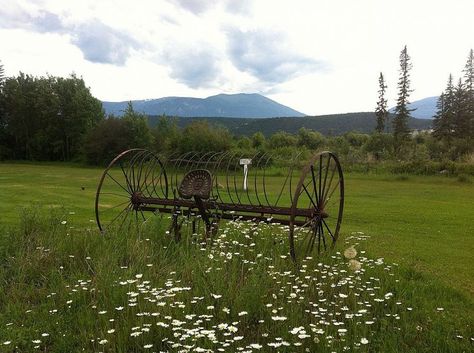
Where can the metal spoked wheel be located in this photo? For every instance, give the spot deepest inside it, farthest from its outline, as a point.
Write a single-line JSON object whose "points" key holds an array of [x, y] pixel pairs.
{"points": [[321, 192], [133, 174]]}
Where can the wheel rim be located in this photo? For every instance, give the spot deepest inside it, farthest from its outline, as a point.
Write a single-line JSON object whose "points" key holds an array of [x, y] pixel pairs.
{"points": [[133, 174], [321, 191]]}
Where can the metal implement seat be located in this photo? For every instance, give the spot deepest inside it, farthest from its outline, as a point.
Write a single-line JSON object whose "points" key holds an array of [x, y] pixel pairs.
{"points": [[196, 183]]}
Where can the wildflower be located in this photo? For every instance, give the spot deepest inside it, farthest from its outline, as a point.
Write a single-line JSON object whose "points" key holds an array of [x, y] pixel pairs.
{"points": [[111, 331], [255, 346], [216, 296], [36, 341], [242, 313], [104, 341], [350, 253], [364, 340], [138, 276], [279, 318], [119, 308], [440, 309], [6, 343], [63, 222], [146, 346]]}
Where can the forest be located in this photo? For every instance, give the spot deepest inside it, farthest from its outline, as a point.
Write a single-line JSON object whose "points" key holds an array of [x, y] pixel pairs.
{"points": [[57, 119]]}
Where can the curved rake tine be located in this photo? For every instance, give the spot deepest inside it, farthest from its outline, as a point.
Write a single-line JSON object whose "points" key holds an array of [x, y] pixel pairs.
{"points": [[235, 184], [264, 184], [255, 179], [229, 193], [218, 166], [254, 157], [291, 177]]}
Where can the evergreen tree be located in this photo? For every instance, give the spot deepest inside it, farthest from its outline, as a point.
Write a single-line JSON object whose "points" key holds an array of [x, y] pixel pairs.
{"points": [[443, 124], [381, 109], [461, 123], [2, 75], [402, 112], [469, 87]]}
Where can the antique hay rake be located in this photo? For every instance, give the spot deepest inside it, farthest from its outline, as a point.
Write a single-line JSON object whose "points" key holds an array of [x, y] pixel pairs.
{"points": [[209, 187]]}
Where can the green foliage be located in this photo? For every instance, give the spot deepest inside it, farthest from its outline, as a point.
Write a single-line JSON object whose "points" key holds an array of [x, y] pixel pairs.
{"points": [[46, 118], [281, 139], [166, 134], [111, 137], [137, 127], [381, 112], [115, 135], [199, 136], [312, 140], [380, 145], [258, 140], [402, 112]]}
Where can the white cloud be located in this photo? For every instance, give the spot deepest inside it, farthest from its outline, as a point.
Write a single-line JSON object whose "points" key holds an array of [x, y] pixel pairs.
{"points": [[315, 56]]}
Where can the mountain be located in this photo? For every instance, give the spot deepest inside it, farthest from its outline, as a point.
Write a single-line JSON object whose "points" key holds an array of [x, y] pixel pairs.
{"points": [[335, 124], [425, 108], [222, 105]]}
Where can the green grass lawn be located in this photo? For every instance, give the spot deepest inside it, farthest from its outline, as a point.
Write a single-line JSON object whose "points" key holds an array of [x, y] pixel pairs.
{"points": [[64, 288], [425, 222]]}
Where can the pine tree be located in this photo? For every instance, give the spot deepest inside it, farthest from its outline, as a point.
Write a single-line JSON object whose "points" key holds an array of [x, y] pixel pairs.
{"points": [[381, 109], [443, 124], [2, 76], [469, 88], [402, 112], [461, 123]]}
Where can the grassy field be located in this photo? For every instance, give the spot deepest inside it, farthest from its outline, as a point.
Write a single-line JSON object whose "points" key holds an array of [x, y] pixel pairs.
{"points": [[61, 280]]}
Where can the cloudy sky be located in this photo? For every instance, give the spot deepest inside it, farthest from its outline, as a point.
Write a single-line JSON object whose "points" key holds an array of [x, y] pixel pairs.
{"points": [[316, 56]]}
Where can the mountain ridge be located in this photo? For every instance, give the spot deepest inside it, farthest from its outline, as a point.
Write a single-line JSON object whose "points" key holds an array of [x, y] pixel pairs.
{"points": [[240, 105], [425, 108]]}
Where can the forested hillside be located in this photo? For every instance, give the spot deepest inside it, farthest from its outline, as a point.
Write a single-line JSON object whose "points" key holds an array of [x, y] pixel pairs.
{"points": [[335, 124]]}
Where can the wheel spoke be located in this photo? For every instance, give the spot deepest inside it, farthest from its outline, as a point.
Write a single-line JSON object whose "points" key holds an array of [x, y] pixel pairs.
{"points": [[113, 207], [126, 178], [311, 199], [322, 235], [309, 247], [329, 230], [329, 185], [111, 177], [117, 216], [314, 183], [320, 171], [334, 189], [115, 194]]}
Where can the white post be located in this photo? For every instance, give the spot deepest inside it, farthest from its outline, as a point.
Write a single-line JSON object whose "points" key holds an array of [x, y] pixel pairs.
{"points": [[245, 162], [245, 176]]}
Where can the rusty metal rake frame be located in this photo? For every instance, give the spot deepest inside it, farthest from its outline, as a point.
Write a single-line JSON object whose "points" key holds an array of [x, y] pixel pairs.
{"points": [[138, 183]]}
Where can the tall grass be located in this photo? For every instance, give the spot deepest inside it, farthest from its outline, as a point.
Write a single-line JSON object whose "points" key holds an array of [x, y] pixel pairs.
{"points": [[72, 290]]}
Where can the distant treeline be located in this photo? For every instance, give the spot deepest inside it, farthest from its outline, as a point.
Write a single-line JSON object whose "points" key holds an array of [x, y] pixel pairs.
{"points": [[329, 125], [57, 119]]}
